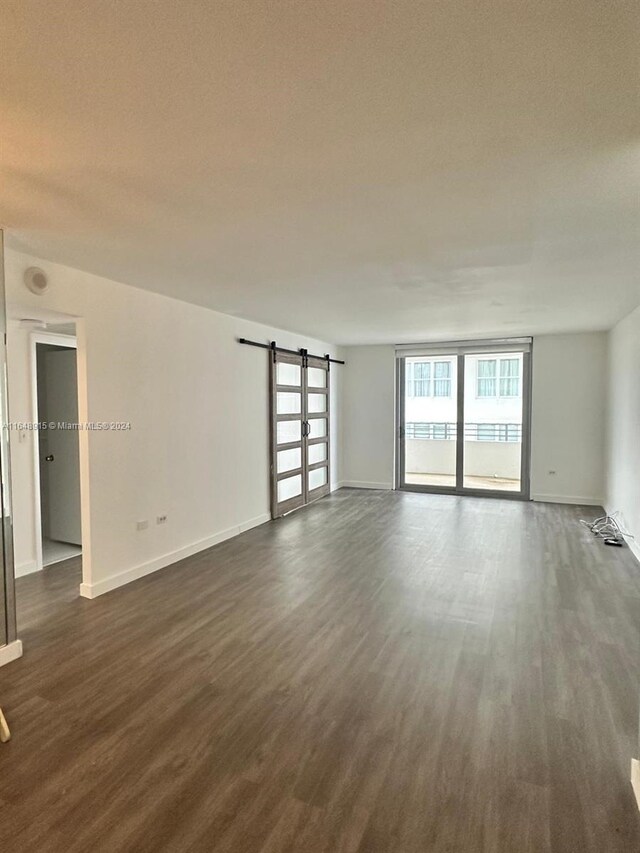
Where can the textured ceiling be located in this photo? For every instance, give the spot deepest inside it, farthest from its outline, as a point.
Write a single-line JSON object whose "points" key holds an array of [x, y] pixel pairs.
{"points": [[359, 171]]}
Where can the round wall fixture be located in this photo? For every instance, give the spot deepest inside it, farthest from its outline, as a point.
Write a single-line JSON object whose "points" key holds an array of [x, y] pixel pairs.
{"points": [[36, 280]]}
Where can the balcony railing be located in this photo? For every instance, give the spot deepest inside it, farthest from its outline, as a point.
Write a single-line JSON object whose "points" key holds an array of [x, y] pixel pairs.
{"points": [[447, 431]]}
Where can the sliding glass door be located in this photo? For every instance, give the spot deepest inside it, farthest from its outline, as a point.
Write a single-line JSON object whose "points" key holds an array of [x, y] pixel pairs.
{"points": [[463, 419], [430, 420], [493, 421]]}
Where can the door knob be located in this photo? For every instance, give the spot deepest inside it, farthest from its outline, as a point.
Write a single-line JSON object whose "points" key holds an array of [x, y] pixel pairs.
{"points": [[49, 458]]}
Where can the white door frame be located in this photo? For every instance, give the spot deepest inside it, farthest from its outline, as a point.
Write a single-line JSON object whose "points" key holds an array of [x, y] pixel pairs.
{"points": [[59, 340]]}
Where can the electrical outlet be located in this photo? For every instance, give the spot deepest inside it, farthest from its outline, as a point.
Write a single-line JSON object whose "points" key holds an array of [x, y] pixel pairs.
{"points": [[552, 473], [142, 525], [161, 519]]}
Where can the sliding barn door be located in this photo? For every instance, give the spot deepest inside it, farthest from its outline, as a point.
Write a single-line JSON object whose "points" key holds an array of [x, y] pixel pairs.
{"points": [[299, 431], [287, 433]]}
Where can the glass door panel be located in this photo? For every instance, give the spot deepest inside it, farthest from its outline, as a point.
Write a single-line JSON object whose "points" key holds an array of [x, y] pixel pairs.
{"points": [[317, 427], [289, 374], [288, 402], [316, 403], [289, 487], [429, 429], [317, 478], [288, 431], [316, 377], [493, 421], [289, 460], [317, 453]]}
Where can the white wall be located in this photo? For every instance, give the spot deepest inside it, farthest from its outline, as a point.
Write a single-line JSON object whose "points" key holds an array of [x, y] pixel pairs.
{"points": [[198, 405], [368, 409], [623, 425], [568, 417], [568, 422]]}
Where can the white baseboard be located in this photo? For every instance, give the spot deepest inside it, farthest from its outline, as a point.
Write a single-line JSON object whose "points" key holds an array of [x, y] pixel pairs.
{"points": [[635, 779], [27, 568], [12, 651], [567, 499], [114, 581], [634, 545], [253, 522], [363, 484]]}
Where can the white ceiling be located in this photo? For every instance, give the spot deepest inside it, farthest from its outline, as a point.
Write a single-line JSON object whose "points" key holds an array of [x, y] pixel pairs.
{"points": [[359, 171]]}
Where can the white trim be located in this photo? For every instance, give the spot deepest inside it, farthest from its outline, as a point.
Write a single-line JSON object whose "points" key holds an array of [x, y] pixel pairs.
{"points": [[635, 779], [567, 499], [122, 578], [10, 652], [363, 484], [254, 522], [55, 338], [453, 348], [634, 545], [27, 568]]}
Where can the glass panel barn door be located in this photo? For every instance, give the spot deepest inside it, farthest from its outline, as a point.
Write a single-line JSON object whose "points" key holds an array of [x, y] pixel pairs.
{"points": [[299, 431], [287, 434]]}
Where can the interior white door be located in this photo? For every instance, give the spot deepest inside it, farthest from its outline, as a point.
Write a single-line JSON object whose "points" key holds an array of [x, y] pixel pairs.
{"points": [[60, 449]]}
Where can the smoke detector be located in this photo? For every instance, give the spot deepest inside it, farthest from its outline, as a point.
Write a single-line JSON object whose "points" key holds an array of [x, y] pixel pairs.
{"points": [[36, 280]]}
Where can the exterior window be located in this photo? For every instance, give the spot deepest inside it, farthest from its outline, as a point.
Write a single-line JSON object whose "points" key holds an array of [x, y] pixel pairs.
{"points": [[442, 379], [428, 378], [419, 379], [509, 377], [498, 377], [487, 384]]}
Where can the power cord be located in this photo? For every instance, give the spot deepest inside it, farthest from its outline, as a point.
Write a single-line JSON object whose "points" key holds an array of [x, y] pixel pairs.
{"points": [[607, 528]]}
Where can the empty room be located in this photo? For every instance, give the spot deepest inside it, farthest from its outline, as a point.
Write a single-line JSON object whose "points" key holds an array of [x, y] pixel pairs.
{"points": [[320, 447]]}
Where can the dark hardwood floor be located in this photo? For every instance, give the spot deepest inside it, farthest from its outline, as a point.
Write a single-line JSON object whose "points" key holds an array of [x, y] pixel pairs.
{"points": [[381, 671]]}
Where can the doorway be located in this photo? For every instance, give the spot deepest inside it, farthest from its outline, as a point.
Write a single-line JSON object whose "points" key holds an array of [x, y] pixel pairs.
{"points": [[463, 418], [57, 462]]}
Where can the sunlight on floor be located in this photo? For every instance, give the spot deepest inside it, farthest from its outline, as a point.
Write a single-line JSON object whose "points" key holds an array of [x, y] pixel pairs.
{"points": [[497, 483]]}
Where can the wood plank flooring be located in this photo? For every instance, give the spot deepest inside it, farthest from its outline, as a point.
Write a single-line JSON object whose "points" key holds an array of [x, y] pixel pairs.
{"points": [[381, 671]]}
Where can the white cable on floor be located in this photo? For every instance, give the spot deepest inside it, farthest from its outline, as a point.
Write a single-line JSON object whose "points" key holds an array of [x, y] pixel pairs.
{"points": [[607, 527]]}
